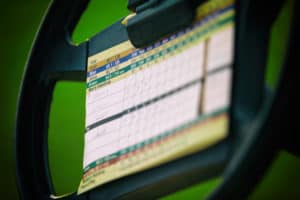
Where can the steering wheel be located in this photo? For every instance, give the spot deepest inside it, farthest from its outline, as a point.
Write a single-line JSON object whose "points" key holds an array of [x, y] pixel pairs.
{"points": [[260, 120]]}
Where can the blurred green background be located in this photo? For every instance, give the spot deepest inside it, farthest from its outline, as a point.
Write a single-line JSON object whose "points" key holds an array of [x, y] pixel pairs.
{"points": [[19, 22]]}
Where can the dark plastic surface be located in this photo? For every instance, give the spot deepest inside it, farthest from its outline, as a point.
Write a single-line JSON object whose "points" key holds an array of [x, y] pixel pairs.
{"points": [[154, 23], [53, 58], [132, 4], [257, 122], [113, 35], [275, 123]]}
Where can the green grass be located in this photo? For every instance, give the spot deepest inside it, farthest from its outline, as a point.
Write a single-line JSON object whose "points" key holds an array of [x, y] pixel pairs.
{"points": [[19, 22]]}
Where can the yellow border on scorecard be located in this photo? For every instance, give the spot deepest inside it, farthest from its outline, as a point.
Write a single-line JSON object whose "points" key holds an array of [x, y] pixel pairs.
{"points": [[196, 138]]}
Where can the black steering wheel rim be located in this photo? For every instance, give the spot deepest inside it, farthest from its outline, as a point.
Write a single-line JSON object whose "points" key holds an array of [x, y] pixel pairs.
{"points": [[54, 58]]}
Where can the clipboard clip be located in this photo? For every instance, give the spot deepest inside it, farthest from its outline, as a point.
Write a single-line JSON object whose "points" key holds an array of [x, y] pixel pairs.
{"points": [[155, 19]]}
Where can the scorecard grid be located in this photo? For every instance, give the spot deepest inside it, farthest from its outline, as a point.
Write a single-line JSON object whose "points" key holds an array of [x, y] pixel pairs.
{"points": [[139, 99], [140, 91]]}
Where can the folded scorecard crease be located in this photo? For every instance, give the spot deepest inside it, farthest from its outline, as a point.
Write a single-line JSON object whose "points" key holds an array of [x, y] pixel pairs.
{"points": [[148, 106]]}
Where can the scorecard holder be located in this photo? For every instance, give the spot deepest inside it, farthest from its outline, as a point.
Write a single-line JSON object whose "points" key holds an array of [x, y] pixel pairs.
{"points": [[255, 132]]}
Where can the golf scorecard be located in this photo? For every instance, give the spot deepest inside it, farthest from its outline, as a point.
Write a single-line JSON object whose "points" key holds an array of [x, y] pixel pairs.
{"points": [[152, 105]]}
